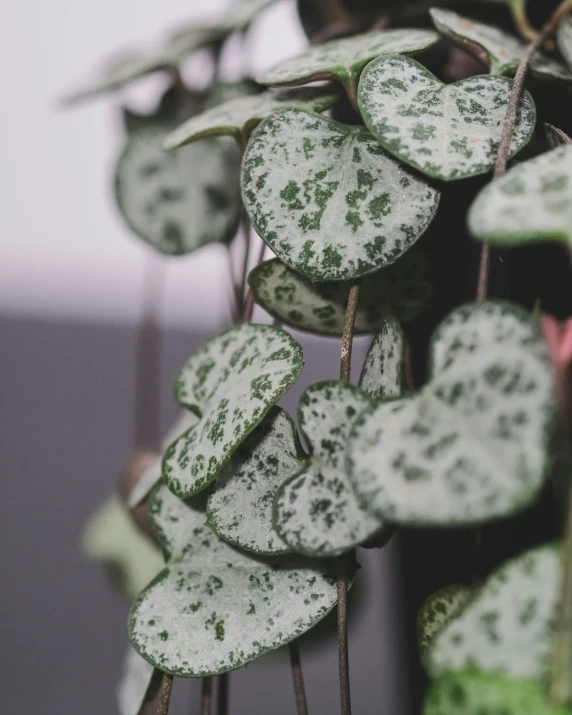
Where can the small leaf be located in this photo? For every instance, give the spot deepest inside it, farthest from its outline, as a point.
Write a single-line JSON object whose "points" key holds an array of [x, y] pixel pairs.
{"points": [[136, 686], [531, 202], [328, 200], [564, 39], [230, 383], [214, 608], [499, 51], [403, 289], [472, 693], [316, 512], [508, 627], [382, 372], [556, 137], [110, 536], [239, 510], [238, 117], [447, 131], [437, 610], [473, 445]]}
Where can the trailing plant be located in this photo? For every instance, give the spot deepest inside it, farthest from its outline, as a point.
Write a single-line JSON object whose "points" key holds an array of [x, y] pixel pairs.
{"points": [[233, 539]]}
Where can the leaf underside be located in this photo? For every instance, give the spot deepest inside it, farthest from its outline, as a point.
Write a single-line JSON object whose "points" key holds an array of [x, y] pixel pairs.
{"points": [[555, 137], [437, 610], [382, 372]]}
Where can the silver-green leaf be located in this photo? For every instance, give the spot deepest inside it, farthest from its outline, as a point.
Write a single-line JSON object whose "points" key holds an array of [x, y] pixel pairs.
{"points": [[474, 444], [437, 610], [447, 131], [230, 383], [215, 608], [382, 372], [556, 137], [564, 39], [327, 198]]}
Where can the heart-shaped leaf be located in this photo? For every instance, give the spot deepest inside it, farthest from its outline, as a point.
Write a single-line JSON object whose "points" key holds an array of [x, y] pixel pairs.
{"points": [[343, 60], [238, 117], [473, 445], [328, 200], [382, 372], [437, 610], [403, 289], [556, 137], [111, 537], [531, 202], [508, 626], [316, 512], [137, 686], [472, 693], [230, 383], [447, 131], [214, 608], [564, 39], [239, 510], [499, 51]]}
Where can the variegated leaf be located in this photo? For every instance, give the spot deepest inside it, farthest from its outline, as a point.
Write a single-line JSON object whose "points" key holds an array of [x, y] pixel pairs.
{"points": [[508, 627], [555, 137], [110, 536], [230, 383], [447, 131], [469, 692], [316, 512], [437, 610], [564, 39], [382, 372], [343, 60], [238, 117], [136, 686], [328, 200], [499, 51], [215, 608], [403, 289], [239, 510], [531, 202], [473, 445]]}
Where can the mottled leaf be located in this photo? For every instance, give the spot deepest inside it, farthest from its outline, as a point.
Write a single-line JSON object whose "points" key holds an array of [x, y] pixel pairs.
{"points": [[215, 608], [564, 39], [447, 131], [328, 200], [382, 372], [403, 289], [473, 444], [137, 684], [316, 512], [238, 117], [508, 627], [499, 51], [472, 693], [556, 137], [111, 537], [239, 510], [437, 610], [531, 202], [230, 383]]}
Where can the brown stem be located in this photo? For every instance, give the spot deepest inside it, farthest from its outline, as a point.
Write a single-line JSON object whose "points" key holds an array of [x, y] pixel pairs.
{"points": [[223, 694], [245, 260], [236, 298], [206, 696], [518, 12], [248, 309], [348, 334], [298, 679], [165, 697]]}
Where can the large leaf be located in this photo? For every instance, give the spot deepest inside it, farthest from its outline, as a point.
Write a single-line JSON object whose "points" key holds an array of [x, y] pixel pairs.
{"points": [[508, 627], [137, 686], [239, 510], [564, 39], [447, 131], [472, 693], [382, 372], [111, 537], [403, 289], [328, 200], [214, 608], [473, 445], [531, 202], [230, 383], [499, 51], [238, 117], [344, 59], [437, 610], [316, 512]]}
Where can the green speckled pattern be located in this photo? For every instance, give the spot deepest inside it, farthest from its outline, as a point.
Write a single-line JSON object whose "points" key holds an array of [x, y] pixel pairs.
{"points": [[230, 383], [316, 511], [135, 682], [215, 608], [531, 202], [328, 200], [437, 610], [447, 131], [508, 627], [474, 444], [382, 372], [239, 509]]}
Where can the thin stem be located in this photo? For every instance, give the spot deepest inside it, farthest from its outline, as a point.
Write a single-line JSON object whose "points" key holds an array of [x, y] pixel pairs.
{"points": [[206, 696], [298, 679], [348, 334], [245, 260], [248, 309], [236, 301], [165, 697], [223, 692], [518, 12]]}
